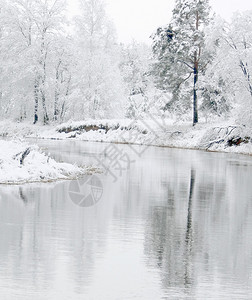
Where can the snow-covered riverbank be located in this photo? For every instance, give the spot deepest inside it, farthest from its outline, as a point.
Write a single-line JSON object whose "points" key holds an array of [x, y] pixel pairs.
{"points": [[223, 137], [22, 163]]}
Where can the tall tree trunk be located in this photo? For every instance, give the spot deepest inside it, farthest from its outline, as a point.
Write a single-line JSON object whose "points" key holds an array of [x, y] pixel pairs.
{"points": [[63, 106], [195, 77], [43, 77], [62, 113], [245, 70], [43, 98], [56, 103], [56, 93], [195, 98], [36, 99]]}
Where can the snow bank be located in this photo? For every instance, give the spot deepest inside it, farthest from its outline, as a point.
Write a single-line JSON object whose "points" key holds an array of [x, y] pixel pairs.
{"points": [[20, 162], [221, 137], [100, 126]]}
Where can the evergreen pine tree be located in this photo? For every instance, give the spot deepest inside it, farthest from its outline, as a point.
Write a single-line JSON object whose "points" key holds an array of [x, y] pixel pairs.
{"points": [[180, 50]]}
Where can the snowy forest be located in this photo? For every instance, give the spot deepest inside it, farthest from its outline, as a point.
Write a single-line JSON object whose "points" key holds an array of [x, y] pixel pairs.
{"points": [[55, 68], [125, 167]]}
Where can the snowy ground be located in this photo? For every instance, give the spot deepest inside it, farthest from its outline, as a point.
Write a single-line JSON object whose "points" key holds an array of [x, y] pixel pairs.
{"points": [[21, 163], [223, 137]]}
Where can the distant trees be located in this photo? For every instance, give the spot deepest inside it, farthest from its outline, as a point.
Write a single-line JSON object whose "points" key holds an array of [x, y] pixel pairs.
{"points": [[239, 40], [48, 21], [228, 75], [235, 59], [135, 69], [62, 74], [194, 44], [99, 79], [52, 70], [31, 31], [180, 52], [215, 100]]}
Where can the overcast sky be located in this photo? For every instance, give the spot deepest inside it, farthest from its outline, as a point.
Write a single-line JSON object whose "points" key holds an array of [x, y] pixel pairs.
{"points": [[137, 19]]}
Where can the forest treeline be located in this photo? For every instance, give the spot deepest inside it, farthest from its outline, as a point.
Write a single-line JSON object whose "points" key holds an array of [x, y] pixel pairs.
{"points": [[55, 68]]}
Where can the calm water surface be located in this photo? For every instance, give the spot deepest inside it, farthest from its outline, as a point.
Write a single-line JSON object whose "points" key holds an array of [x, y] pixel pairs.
{"points": [[176, 225]]}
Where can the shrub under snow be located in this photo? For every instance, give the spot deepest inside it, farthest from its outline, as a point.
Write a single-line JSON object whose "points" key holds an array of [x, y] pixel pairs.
{"points": [[20, 162]]}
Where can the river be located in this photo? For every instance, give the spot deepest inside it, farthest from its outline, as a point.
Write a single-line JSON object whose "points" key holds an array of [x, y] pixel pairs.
{"points": [[159, 223]]}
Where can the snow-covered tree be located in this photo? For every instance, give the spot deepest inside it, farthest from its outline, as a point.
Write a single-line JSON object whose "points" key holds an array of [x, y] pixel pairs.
{"points": [[239, 42], [98, 76], [16, 57], [232, 63], [214, 88], [48, 17], [30, 33], [135, 69], [179, 49]]}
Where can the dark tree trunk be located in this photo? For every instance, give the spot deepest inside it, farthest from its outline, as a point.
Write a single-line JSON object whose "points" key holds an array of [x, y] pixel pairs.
{"points": [[56, 109], [43, 77], [62, 111], [195, 98], [43, 96], [56, 92], [196, 75], [63, 106], [245, 70], [36, 99], [46, 118]]}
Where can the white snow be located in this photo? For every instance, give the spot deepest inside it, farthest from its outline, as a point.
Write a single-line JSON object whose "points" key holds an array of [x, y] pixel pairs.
{"points": [[155, 132], [159, 132], [35, 166]]}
